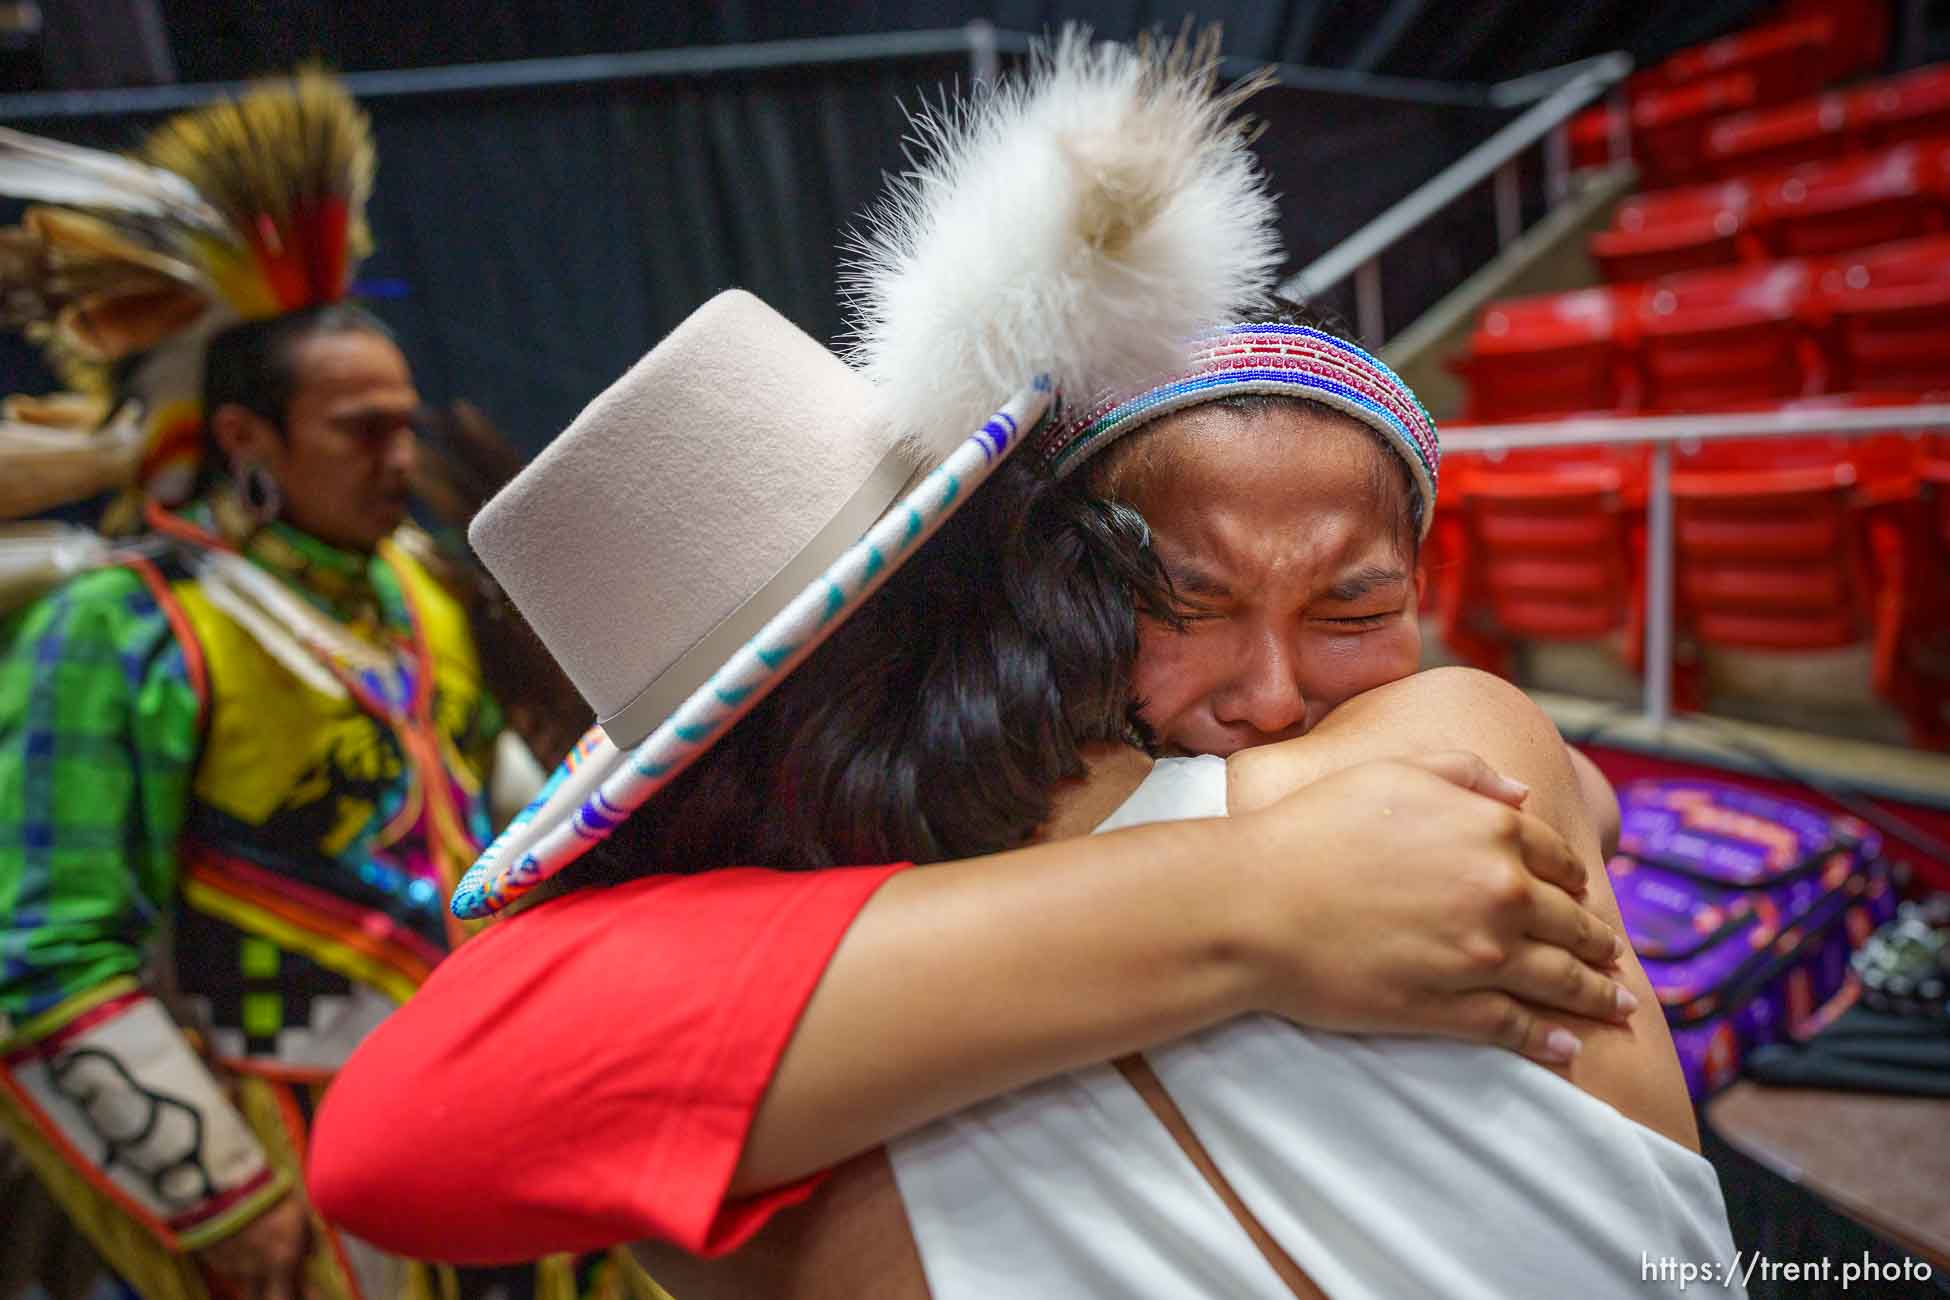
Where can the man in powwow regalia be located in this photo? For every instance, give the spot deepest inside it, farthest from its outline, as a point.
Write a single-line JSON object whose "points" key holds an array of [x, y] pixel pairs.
{"points": [[242, 752]]}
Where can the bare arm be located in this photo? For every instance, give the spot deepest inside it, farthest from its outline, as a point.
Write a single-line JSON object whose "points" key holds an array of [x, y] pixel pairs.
{"points": [[1630, 1065], [961, 982], [1600, 800]]}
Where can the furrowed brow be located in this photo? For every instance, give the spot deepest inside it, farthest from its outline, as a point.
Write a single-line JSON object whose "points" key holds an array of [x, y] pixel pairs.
{"points": [[1192, 581], [1364, 580]]}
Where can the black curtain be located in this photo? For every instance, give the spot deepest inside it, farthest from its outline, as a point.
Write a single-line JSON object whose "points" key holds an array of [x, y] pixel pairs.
{"points": [[1340, 158], [545, 240]]}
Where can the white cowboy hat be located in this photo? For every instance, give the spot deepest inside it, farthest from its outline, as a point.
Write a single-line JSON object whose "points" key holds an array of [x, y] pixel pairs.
{"points": [[719, 563]]}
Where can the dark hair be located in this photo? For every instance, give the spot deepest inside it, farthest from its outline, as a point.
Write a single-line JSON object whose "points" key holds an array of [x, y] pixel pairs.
{"points": [[254, 364], [936, 722], [1122, 470]]}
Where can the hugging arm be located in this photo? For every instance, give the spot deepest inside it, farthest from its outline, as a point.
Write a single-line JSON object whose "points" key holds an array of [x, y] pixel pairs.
{"points": [[960, 982], [785, 1021], [1347, 803], [1629, 1063]]}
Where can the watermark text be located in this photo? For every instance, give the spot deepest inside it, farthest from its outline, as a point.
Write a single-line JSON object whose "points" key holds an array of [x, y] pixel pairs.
{"points": [[1748, 1267]]}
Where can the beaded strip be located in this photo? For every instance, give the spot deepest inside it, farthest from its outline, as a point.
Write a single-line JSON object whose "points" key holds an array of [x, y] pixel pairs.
{"points": [[1267, 358]]}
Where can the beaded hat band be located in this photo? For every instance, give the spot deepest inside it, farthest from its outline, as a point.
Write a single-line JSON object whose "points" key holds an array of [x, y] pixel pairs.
{"points": [[1286, 360]]}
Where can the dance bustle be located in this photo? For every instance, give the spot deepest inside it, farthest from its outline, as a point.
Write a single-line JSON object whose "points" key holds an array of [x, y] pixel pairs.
{"points": [[49, 171], [1084, 221]]}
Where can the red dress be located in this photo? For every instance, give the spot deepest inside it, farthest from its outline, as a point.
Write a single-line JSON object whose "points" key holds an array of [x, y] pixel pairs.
{"points": [[485, 1122]]}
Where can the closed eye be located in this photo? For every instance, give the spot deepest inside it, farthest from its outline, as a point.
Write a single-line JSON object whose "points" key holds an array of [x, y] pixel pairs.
{"points": [[1199, 596]]}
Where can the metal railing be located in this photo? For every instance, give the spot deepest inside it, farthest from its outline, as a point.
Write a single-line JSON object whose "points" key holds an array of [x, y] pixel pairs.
{"points": [[1663, 432], [1564, 92]]}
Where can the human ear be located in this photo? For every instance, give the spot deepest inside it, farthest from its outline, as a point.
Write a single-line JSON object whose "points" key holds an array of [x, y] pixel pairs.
{"points": [[242, 435]]}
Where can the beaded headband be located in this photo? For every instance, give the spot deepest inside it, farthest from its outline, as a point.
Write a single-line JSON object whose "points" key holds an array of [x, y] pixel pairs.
{"points": [[1289, 360]]}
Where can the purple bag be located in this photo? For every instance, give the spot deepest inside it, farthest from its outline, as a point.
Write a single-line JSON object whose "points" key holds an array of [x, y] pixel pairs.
{"points": [[1744, 908]]}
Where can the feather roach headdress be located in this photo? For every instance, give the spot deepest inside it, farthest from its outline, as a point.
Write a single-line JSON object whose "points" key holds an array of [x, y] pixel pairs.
{"points": [[241, 210]]}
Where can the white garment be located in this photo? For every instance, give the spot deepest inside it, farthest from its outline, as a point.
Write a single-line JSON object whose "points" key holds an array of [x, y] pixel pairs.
{"points": [[1384, 1167]]}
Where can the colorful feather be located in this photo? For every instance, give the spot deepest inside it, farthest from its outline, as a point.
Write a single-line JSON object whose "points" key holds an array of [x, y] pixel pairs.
{"points": [[50, 171], [289, 166]]}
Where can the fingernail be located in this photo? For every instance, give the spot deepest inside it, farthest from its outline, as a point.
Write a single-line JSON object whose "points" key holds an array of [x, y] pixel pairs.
{"points": [[1618, 946], [1517, 788], [1628, 1001], [1562, 1045]]}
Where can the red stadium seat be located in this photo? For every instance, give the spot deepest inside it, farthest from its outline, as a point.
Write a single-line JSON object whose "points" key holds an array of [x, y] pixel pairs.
{"points": [[1892, 111], [1805, 543], [1808, 130], [1445, 566], [1812, 45], [1442, 549], [1935, 473], [1852, 202], [1861, 40], [1785, 59], [1547, 355], [1711, 339], [1902, 108], [1927, 654], [1657, 209], [1670, 126], [1889, 316], [1590, 135], [1685, 229], [1888, 469], [1861, 34], [1771, 558], [1550, 549]]}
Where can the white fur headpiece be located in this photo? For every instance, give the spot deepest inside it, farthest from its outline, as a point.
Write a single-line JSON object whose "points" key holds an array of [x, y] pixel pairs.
{"points": [[1084, 221]]}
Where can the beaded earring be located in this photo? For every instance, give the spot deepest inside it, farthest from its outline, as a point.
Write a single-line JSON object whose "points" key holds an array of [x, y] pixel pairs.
{"points": [[259, 491]]}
